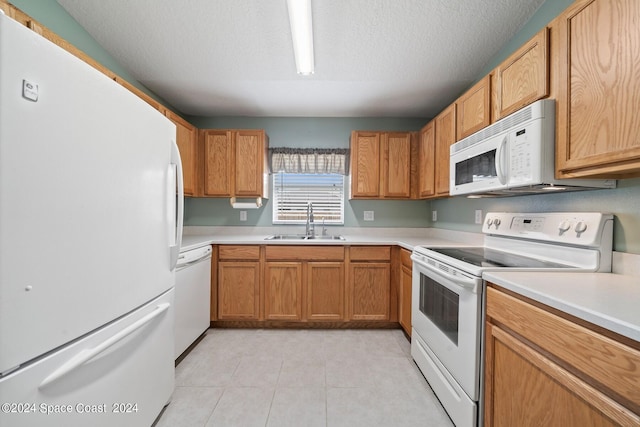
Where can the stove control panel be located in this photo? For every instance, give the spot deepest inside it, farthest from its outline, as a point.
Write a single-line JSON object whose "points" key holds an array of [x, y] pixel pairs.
{"points": [[580, 228]]}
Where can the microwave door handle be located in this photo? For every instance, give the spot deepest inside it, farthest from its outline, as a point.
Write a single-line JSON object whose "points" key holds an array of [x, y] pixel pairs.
{"points": [[501, 160]]}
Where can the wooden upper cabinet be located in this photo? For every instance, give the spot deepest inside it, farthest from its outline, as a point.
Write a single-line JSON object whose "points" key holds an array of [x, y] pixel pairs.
{"points": [[234, 162], [187, 139], [445, 136], [381, 165], [524, 76], [426, 161], [474, 108], [218, 162], [250, 154], [396, 165], [598, 89], [365, 164]]}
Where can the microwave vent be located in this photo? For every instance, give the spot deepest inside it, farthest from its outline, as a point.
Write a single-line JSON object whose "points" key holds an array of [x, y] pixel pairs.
{"points": [[519, 117]]}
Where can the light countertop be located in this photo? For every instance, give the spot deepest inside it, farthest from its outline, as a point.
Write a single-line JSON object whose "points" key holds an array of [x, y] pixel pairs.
{"points": [[406, 238], [609, 300]]}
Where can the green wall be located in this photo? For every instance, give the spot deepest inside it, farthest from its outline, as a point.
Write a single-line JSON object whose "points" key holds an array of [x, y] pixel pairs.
{"points": [[318, 132], [53, 16], [455, 213]]}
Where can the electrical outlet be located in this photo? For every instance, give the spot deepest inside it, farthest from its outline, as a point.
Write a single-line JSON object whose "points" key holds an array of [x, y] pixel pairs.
{"points": [[368, 215], [243, 215], [478, 216], [434, 216]]}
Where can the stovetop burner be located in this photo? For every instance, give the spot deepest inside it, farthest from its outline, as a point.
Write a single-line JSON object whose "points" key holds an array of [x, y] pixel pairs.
{"points": [[484, 257]]}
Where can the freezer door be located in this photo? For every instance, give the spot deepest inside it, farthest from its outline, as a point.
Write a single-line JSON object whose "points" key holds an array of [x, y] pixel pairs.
{"points": [[120, 375], [87, 198]]}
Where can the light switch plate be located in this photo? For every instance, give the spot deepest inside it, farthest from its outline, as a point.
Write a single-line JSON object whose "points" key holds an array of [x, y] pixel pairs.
{"points": [[434, 216], [368, 215], [243, 215]]}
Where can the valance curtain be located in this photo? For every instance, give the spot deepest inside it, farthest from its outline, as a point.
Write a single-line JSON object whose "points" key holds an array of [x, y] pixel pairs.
{"points": [[310, 160]]}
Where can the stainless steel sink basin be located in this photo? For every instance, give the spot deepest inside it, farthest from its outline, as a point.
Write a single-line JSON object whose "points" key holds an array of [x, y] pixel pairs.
{"points": [[302, 237], [325, 238], [286, 237]]}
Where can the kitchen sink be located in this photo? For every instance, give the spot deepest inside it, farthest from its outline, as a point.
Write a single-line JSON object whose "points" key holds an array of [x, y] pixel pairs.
{"points": [[325, 238], [286, 237], [302, 237]]}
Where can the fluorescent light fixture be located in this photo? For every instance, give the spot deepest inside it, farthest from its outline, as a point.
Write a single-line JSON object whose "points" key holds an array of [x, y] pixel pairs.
{"points": [[302, 34]]}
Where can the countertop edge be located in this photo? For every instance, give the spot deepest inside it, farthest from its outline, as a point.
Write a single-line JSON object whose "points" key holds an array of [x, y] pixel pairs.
{"points": [[603, 299]]}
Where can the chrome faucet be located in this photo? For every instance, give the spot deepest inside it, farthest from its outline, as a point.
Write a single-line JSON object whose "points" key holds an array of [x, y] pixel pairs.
{"points": [[311, 227]]}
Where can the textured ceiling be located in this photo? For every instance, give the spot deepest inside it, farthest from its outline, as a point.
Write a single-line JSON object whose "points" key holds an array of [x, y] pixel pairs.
{"points": [[373, 58]]}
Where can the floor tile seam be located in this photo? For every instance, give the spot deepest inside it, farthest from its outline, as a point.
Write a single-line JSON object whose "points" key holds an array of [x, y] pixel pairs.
{"points": [[272, 389], [213, 409]]}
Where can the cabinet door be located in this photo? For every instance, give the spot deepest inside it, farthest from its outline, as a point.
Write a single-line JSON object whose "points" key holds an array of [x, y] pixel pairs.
{"points": [[599, 81], [365, 164], [325, 291], [445, 136], [396, 165], [524, 388], [238, 290], [186, 138], [523, 77], [218, 162], [249, 157], [283, 291], [405, 299], [474, 108], [426, 161], [370, 285]]}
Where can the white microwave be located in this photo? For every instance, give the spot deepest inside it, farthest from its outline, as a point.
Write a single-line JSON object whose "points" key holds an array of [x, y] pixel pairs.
{"points": [[513, 156]]}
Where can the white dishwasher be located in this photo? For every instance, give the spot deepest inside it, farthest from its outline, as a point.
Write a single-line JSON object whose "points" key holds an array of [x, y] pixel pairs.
{"points": [[192, 297]]}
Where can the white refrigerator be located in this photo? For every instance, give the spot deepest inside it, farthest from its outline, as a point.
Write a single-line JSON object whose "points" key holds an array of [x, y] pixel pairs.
{"points": [[90, 228]]}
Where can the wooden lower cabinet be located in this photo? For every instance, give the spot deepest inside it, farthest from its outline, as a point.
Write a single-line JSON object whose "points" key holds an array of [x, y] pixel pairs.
{"points": [[370, 288], [283, 291], [542, 369], [238, 290], [325, 291], [303, 283], [404, 290]]}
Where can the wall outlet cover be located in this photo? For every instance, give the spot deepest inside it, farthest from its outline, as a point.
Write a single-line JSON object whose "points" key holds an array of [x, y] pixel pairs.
{"points": [[478, 216], [368, 215], [243, 215], [434, 216]]}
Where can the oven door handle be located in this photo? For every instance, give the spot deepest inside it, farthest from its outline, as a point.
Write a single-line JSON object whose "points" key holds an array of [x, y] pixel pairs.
{"points": [[457, 279]]}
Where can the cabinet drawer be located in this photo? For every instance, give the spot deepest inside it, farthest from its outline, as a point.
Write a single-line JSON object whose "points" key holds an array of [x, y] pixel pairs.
{"points": [[302, 253], [370, 253], [608, 362], [239, 252]]}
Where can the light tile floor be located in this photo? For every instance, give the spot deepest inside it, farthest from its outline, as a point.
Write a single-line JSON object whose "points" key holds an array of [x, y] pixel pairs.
{"points": [[256, 377]]}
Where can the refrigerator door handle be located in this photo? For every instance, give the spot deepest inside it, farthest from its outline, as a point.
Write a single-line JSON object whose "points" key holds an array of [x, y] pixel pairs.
{"points": [[88, 354], [176, 221]]}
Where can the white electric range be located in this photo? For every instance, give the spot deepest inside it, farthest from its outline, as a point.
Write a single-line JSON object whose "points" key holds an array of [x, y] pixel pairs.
{"points": [[448, 292]]}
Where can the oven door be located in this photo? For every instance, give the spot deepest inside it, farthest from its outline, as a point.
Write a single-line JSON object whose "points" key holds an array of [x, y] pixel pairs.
{"points": [[482, 167], [446, 314]]}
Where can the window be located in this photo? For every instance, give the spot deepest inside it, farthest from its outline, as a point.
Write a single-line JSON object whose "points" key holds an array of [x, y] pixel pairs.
{"points": [[292, 192]]}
